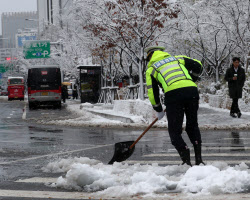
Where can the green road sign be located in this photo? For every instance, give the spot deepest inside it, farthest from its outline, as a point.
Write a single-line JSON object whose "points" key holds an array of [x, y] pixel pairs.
{"points": [[36, 49], [3, 69]]}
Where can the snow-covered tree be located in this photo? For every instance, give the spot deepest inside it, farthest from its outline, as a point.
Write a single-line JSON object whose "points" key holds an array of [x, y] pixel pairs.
{"points": [[114, 33], [213, 31], [130, 25]]}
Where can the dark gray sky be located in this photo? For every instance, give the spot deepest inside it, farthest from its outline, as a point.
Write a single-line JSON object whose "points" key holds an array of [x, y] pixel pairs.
{"points": [[16, 6]]}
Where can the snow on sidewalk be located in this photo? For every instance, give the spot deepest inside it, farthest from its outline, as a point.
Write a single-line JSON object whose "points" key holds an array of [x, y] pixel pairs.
{"points": [[217, 118], [139, 114]]}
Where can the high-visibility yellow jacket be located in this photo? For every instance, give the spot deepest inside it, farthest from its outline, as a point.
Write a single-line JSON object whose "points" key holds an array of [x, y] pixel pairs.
{"points": [[170, 73]]}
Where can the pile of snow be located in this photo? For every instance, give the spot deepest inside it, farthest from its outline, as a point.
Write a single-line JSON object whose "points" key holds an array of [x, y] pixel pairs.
{"points": [[140, 112], [64, 165], [84, 118], [3, 97], [224, 101], [138, 108], [123, 180]]}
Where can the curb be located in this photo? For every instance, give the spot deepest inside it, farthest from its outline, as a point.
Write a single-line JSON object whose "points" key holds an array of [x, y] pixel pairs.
{"points": [[111, 116]]}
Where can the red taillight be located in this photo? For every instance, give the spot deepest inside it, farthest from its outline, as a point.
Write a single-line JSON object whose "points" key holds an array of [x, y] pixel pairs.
{"points": [[32, 98]]}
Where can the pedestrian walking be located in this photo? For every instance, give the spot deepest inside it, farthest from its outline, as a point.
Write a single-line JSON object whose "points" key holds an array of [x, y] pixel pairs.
{"points": [[75, 95], [235, 76], [64, 93], [176, 76]]}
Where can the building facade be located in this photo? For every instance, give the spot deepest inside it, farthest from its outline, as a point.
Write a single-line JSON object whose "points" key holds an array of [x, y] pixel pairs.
{"points": [[5, 54], [13, 22], [1, 41], [51, 12]]}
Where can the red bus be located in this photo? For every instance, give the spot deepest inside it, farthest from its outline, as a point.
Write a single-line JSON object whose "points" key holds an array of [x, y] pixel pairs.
{"points": [[44, 86], [16, 88]]}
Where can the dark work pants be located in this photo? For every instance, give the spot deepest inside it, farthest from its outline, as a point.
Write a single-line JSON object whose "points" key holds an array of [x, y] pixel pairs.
{"points": [[175, 114], [235, 106]]}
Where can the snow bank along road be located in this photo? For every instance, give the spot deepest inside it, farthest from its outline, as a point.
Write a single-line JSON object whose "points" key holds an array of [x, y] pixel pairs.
{"points": [[139, 114]]}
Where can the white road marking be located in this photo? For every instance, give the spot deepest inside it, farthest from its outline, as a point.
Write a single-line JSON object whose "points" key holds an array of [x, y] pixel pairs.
{"points": [[54, 154], [235, 148], [24, 112], [204, 154], [4, 125], [37, 180], [30, 142], [175, 162], [84, 195], [212, 143], [240, 138], [44, 194]]}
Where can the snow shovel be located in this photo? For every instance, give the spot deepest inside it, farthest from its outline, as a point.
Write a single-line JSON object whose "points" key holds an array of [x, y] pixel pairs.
{"points": [[123, 150]]}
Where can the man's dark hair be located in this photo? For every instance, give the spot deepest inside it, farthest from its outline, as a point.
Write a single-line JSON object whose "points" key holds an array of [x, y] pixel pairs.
{"points": [[236, 58]]}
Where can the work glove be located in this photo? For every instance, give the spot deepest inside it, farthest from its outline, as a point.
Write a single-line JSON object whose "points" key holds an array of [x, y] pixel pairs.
{"points": [[160, 115]]}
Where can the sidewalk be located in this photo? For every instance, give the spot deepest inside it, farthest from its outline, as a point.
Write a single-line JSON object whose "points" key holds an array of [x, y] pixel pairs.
{"points": [[139, 114], [217, 118]]}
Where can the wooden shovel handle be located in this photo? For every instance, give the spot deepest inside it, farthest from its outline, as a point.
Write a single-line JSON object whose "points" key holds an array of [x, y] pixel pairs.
{"points": [[132, 145]]}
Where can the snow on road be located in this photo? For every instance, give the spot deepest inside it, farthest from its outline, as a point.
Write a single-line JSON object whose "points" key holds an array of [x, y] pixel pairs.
{"points": [[122, 180]]}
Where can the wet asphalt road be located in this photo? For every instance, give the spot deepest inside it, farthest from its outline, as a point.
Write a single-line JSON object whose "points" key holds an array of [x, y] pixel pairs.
{"points": [[26, 147]]}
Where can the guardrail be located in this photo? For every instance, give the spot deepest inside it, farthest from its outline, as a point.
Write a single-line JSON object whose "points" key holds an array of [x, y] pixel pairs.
{"points": [[109, 94]]}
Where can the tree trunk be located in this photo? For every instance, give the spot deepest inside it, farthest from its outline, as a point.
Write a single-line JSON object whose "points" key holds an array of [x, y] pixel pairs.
{"points": [[112, 81], [217, 74], [130, 75], [141, 94]]}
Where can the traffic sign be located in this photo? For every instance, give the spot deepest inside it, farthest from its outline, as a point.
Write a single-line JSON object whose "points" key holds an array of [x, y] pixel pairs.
{"points": [[22, 37], [3, 69], [36, 49]]}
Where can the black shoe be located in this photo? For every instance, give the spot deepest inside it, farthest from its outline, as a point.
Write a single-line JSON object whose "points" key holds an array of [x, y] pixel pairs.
{"points": [[233, 115], [239, 114], [197, 152], [185, 157]]}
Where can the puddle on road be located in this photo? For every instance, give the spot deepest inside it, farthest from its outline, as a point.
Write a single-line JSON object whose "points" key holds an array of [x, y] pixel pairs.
{"points": [[41, 129]]}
